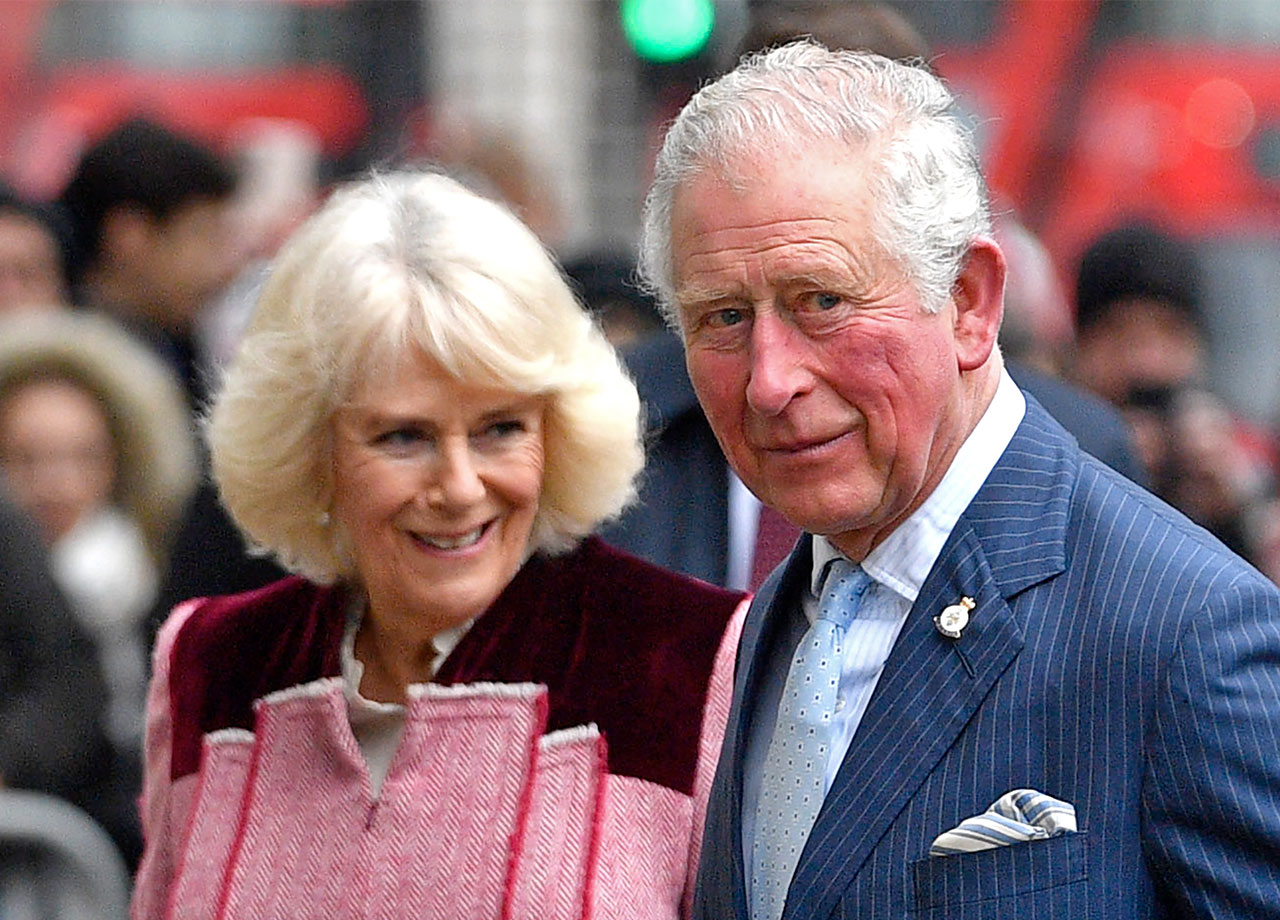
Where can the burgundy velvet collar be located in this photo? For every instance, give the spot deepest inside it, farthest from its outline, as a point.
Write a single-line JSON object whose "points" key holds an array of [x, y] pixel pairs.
{"points": [[617, 642]]}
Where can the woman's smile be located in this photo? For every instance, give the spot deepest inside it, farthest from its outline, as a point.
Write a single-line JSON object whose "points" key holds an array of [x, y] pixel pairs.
{"points": [[453, 467], [451, 543]]}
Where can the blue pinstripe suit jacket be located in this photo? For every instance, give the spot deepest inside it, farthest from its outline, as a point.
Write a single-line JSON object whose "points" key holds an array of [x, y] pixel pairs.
{"points": [[1118, 658]]}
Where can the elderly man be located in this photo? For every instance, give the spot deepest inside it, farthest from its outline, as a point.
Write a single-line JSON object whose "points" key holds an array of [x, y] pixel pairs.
{"points": [[993, 679]]}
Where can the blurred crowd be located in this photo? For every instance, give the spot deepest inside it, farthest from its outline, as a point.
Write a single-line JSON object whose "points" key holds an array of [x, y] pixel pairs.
{"points": [[120, 300]]}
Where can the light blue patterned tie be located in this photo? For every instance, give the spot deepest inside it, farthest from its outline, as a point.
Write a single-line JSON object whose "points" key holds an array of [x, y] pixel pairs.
{"points": [[791, 785]]}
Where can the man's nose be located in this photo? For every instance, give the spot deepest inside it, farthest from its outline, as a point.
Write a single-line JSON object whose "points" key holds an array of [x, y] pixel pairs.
{"points": [[776, 371]]}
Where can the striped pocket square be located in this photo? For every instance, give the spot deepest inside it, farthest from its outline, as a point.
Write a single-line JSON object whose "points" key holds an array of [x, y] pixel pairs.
{"points": [[1015, 817]]}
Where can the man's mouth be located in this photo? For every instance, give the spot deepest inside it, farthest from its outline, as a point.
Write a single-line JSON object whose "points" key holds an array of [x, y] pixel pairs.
{"points": [[800, 445]]}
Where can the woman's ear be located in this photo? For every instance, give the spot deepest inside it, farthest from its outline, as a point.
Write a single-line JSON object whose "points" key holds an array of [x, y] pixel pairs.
{"points": [[978, 295]]}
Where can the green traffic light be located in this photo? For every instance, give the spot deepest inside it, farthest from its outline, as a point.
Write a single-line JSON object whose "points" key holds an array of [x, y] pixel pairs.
{"points": [[668, 30]]}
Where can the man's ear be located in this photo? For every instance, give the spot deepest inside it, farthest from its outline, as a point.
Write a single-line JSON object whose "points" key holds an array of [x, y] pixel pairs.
{"points": [[978, 295]]}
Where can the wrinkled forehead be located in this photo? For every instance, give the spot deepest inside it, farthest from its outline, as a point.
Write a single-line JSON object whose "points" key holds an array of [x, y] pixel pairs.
{"points": [[805, 173], [765, 128], [816, 191]]}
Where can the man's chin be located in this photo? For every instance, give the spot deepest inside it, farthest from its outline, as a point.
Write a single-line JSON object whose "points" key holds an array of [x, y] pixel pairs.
{"points": [[818, 522]]}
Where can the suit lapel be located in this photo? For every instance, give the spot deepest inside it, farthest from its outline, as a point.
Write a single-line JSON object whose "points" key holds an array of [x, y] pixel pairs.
{"points": [[929, 689], [932, 685]]}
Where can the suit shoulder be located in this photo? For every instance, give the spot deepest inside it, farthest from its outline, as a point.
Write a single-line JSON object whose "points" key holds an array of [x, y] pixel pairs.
{"points": [[1120, 522]]}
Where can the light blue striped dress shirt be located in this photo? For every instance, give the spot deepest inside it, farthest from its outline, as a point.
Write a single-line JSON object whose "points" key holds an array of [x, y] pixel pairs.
{"points": [[898, 567]]}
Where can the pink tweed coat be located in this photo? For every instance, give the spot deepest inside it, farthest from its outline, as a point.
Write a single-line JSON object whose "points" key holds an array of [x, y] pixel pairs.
{"points": [[557, 767]]}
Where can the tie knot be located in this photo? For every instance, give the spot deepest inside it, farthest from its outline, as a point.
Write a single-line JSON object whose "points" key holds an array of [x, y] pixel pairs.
{"points": [[842, 591]]}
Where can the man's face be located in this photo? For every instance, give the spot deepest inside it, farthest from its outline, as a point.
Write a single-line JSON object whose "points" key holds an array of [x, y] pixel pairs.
{"points": [[1138, 344], [837, 399], [187, 257]]}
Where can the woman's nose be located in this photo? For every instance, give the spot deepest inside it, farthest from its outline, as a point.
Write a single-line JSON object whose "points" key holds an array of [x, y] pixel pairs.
{"points": [[457, 479]]}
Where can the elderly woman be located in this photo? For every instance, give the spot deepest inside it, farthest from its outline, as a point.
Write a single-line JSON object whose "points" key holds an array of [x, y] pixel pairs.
{"points": [[463, 705]]}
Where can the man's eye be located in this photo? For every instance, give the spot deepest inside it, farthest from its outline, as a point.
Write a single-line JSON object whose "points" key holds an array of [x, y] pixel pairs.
{"points": [[821, 301], [723, 319]]}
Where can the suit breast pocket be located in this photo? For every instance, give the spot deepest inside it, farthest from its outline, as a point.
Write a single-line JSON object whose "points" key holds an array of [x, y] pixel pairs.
{"points": [[1044, 872]]}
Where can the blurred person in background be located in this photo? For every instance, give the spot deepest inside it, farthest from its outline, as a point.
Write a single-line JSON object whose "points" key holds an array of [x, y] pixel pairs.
{"points": [[52, 701], [278, 187], [33, 255], [605, 282], [277, 167], [96, 446], [153, 238], [1141, 343], [1036, 335], [1139, 325], [464, 704]]}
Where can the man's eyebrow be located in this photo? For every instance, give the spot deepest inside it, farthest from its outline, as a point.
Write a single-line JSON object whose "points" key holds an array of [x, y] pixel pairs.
{"points": [[693, 294], [818, 279]]}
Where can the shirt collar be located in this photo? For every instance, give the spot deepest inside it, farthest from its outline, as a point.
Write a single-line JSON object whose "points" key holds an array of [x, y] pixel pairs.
{"points": [[442, 642], [902, 561]]}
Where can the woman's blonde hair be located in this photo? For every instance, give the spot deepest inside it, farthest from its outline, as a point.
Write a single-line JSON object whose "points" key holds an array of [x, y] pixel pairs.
{"points": [[392, 264]]}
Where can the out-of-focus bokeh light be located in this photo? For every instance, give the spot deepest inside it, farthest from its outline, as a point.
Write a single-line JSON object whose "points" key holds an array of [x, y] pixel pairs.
{"points": [[664, 31], [1219, 113]]}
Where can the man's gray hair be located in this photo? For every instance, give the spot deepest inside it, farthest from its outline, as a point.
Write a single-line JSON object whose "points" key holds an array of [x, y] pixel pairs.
{"points": [[929, 199]]}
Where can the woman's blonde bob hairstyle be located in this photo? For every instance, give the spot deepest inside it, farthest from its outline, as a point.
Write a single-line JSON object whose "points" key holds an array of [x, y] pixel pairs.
{"points": [[392, 265]]}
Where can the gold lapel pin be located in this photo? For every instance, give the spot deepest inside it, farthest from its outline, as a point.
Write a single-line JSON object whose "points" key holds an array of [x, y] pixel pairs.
{"points": [[953, 619]]}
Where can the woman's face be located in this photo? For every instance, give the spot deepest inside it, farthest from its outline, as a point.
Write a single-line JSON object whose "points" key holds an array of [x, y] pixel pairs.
{"points": [[56, 453], [30, 272], [436, 485]]}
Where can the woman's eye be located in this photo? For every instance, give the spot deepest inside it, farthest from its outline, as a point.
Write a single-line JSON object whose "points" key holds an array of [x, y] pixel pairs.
{"points": [[500, 435], [505, 428], [400, 437]]}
